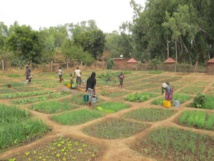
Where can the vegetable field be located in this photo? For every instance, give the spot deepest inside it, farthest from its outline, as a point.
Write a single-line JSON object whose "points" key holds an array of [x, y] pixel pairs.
{"points": [[45, 120]]}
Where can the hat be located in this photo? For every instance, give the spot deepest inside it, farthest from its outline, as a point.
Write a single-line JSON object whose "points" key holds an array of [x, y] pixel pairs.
{"points": [[164, 85]]}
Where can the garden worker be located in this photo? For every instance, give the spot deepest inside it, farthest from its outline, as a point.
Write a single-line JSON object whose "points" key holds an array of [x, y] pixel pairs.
{"points": [[121, 77], [28, 74], [77, 74], [168, 91], [60, 74], [90, 87]]}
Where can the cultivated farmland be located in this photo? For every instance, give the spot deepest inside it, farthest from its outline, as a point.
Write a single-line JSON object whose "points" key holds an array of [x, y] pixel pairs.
{"points": [[45, 120]]}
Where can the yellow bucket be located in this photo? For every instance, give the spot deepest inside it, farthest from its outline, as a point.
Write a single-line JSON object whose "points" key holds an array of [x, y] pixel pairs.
{"points": [[167, 103], [69, 85]]}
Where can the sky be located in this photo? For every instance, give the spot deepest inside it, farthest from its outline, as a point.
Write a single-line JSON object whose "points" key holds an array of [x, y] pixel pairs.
{"points": [[108, 14]]}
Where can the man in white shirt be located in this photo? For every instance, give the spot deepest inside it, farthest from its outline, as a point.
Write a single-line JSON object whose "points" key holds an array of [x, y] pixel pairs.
{"points": [[77, 73]]}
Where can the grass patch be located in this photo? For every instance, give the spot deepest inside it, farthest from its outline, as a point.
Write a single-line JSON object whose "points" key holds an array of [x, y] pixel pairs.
{"points": [[17, 127], [110, 107], [177, 96], [14, 75], [198, 119], [140, 97], [150, 114], [52, 107], [114, 129], [175, 144], [62, 149], [76, 117], [155, 72]]}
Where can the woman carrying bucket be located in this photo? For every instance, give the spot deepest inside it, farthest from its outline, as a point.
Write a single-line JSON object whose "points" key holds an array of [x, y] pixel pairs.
{"points": [[90, 87]]}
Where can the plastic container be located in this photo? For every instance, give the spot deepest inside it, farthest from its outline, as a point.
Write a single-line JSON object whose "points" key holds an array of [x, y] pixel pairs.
{"points": [[69, 85], [93, 99], [176, 103], [167, 103], [74, 85], [85, 98]]}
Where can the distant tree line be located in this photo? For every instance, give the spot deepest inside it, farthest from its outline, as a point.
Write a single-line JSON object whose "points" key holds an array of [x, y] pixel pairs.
{"points": [[182, 29]]}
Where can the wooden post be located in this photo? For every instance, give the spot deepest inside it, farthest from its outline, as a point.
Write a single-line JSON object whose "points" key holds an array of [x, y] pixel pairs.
{"points": [[2, 64], [67, 65]]}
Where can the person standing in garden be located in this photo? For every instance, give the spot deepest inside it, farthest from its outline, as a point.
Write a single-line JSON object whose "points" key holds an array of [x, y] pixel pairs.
{"points": [[121, 78], [90, 87], [77, 74], [28, 74], [60, 74], [168, 91]]}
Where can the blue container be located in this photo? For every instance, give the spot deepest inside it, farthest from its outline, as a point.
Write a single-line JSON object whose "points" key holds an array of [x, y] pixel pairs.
{"points": [[85, 98]]}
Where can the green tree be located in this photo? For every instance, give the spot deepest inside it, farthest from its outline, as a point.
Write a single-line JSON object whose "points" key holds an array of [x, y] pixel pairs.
{"points": [[25, 43]]}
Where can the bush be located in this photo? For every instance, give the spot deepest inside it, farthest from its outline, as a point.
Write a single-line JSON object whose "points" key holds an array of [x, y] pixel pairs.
{"points": [[199, 100]]}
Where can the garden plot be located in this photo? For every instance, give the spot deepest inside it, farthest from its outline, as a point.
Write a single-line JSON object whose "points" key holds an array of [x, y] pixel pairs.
{"points": [[51, 107], [23, 94], [76, 117], [140, 97], [192, 90], [113, 128], [141, 86], [17, 127], [115, 93], [149, 114], [197, 119], [14, 84], [167, 144], [62, 149], [27, 89], [39, 98]]}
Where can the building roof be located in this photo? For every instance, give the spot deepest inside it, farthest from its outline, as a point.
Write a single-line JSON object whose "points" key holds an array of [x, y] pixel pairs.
{"points": [[169, 60], [211, 61], [132, 60]]}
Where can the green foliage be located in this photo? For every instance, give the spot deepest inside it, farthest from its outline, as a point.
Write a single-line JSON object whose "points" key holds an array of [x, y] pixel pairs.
{"points": [[111, 106], [199, 119], [92, 42], [110, 63], [139, 97], [25, 43], [198, 101], [74, 52], [17, 127]]}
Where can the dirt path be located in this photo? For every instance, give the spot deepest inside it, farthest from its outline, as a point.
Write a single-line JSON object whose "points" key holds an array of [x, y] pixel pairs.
{"points": [[118, 149]]}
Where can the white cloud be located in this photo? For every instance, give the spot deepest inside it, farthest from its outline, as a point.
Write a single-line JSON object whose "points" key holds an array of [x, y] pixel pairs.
{"points": [[108, 14]]}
